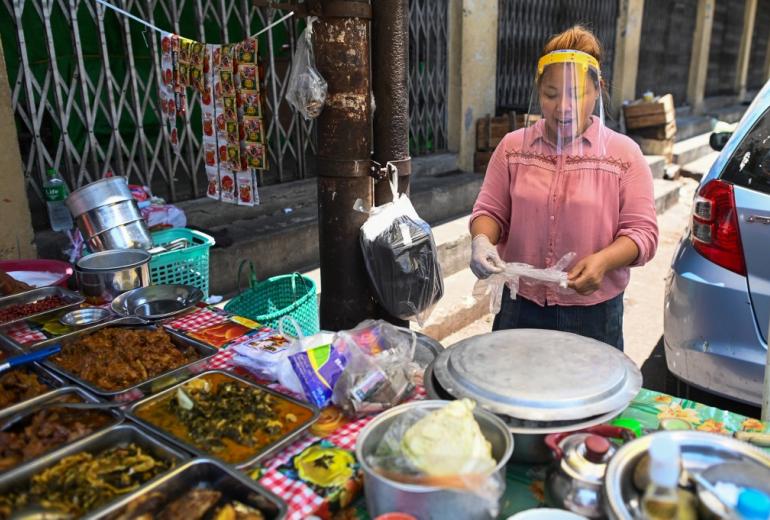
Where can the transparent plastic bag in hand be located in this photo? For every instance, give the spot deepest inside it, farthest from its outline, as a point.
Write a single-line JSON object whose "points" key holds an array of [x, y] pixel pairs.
{"points": [[516, 273], [307, 88]]}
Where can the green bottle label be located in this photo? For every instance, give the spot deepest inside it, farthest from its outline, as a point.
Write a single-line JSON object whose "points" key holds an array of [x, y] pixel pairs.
{"points": [[55, 193]]}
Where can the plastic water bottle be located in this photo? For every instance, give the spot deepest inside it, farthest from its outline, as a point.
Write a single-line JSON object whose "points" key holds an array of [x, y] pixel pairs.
{"points": [[661, 500], [55, 190]]}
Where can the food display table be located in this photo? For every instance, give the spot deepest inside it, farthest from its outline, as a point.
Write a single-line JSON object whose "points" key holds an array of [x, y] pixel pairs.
{"points": [[318, 474]]}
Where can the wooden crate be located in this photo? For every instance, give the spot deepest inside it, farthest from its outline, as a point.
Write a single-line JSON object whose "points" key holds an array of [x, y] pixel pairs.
{"points": [[642, 114], [491, 130], [481, 160], [664, 147], [667, 131]]}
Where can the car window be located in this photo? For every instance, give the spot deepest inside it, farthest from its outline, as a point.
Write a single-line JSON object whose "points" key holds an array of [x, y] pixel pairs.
{"points": [[750, 164]]}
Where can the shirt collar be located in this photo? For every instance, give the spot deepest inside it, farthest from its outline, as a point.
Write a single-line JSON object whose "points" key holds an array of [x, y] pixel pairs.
{"points": [[590, 135]]}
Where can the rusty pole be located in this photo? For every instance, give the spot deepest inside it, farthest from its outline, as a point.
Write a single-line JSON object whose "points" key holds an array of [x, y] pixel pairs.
{"points": [[390, 69], [344, 130], [390, 75]]}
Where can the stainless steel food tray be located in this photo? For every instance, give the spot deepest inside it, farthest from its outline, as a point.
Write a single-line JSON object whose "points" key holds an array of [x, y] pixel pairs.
{"points": [[47, 377], [149, 386], [54, 396], [73, 299], [247, 464], [120, 435], [202, 473]]}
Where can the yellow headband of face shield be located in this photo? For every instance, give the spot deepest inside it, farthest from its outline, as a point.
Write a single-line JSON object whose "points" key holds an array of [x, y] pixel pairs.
{"points": [[584, 60]]}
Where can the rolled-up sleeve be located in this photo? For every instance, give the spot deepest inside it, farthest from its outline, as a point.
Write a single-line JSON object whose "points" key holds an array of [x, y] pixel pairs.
{"points": [[638, 220], [494, 199]]}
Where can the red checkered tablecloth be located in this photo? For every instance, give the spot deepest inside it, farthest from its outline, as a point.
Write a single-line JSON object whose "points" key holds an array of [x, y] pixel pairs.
{"points": [[197, 320]]}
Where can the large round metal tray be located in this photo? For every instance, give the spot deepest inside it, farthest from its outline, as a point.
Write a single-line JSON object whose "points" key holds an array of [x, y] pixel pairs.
{"points": [[435, 391], [157, 302], [699, 450], [539, 375]]}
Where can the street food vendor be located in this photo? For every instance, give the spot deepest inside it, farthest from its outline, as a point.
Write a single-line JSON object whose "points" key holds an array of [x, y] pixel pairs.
{"points": [[566, 183]]}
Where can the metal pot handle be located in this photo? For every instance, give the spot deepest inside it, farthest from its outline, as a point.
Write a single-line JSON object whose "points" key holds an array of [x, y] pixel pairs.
{"points": [[603, 430]]}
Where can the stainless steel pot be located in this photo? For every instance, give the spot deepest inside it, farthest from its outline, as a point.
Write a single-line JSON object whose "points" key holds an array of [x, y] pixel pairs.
{"points": [[105, 275], [108, 217], [699, 451], [576, 480], [426, 502]]}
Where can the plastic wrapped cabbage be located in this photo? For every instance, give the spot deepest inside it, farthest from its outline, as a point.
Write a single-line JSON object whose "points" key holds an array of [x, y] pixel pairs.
{"points": [[441, 448], [466, 451]]}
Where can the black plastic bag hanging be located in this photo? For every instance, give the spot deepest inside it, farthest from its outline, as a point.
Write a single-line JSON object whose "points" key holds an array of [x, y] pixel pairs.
{"points": [[401, 257]]}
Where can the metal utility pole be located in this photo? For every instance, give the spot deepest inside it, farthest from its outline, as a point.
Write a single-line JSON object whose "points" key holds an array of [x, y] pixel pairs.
{"points": [[390, 77], [342, 38]]}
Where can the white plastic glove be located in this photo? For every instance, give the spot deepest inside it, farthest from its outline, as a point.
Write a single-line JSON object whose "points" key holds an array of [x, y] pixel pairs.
{"points": [[484, 258]]}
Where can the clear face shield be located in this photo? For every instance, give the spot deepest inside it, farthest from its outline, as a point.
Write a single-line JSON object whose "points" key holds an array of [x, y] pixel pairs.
{"points": [[566, 114]]}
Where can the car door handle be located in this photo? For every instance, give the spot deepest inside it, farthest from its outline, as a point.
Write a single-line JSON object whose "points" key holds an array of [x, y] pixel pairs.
{"points": [[758, 218]]}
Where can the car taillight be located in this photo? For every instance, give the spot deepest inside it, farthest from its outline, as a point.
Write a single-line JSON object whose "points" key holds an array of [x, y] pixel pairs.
{"points": [[715, 232]]}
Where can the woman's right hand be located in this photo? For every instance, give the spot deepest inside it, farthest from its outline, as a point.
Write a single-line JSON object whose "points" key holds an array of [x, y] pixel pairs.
{"points": [[485, 261]]}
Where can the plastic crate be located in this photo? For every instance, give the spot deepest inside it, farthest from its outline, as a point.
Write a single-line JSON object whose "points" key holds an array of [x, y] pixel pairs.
{"points": [[188, 266]]}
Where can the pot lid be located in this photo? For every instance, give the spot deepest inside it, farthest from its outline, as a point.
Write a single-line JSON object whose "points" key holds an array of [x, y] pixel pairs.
{"points": [[539, 375], [586, 456]]}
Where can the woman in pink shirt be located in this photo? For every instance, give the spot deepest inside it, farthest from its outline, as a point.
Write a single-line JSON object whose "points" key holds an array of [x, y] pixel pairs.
{"points": [[567, 183]]}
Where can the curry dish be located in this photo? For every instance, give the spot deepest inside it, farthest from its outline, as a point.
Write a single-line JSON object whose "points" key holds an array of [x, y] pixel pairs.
{"points": [[47, 429], [19, 385], [82, 482], [116, 358], [225, 417]]}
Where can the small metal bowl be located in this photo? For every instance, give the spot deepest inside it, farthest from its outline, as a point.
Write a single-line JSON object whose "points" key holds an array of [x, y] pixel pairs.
{"points": [[84, 317], [157, 302]]}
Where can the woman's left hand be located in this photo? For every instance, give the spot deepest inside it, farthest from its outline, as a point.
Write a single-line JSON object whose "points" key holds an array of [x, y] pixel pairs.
{"points": [[587, 275]]}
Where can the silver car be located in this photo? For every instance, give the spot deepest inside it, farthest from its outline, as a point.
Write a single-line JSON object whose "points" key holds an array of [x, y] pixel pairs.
{"points": [[717, 305]]}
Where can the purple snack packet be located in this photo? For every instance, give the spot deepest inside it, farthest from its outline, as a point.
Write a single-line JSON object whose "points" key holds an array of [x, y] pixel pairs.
{"points": [[318, 370]]}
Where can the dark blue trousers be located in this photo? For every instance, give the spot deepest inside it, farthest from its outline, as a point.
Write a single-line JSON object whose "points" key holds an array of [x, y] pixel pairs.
{"points": [[603, 321]]}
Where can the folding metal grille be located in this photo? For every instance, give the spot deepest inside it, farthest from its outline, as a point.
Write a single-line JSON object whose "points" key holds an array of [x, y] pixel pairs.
{"points": [[427, 76], [524, 27], [84, 82]]}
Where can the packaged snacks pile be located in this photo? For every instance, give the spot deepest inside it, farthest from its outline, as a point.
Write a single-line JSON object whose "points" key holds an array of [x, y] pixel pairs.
{"points": [[227, 79]]}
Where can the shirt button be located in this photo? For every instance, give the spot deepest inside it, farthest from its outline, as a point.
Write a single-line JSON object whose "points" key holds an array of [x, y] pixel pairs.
{"points": [[552, 217]]}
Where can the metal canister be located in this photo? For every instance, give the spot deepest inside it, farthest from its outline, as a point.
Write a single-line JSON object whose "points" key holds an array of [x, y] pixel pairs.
{"points": [[108, 217], [105, 275]]}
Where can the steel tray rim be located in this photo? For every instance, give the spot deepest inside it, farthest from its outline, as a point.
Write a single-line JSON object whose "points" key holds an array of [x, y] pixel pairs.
{"points": [[74, 299], [176, 472], [107, 436], [147, 384], [117, 414], [269, 449]]}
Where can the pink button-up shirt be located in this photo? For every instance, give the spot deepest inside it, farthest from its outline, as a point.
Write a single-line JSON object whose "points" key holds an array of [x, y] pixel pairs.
{"points": [[548, 205]]}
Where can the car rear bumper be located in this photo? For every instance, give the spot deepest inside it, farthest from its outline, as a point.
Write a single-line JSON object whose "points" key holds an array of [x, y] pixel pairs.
{"points": [[710, 333]]}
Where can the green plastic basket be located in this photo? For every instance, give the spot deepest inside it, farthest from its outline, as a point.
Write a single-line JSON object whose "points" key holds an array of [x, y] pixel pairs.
{"points": [[188, 266], [268, 301]]}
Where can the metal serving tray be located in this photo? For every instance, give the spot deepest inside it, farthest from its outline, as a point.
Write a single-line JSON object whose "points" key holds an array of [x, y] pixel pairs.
{"points": [[120, 435], [73, 299], [56, 395], [245, 465], [201, 473], [48, 378], [149, 386]]}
